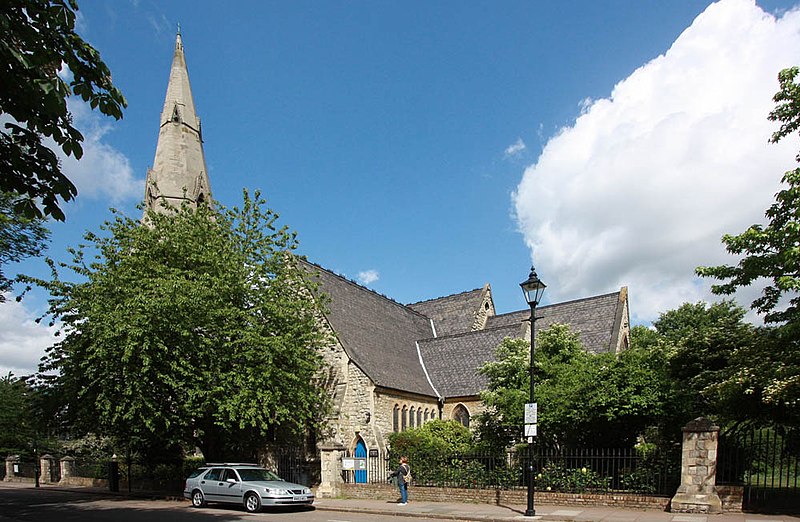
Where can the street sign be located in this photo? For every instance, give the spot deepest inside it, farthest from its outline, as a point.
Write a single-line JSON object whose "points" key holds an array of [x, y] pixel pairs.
{"points": [[530, 430], [531, 413]]}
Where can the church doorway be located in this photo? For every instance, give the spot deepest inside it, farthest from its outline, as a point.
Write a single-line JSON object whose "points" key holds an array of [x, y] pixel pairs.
{"points": [[361, 453]]}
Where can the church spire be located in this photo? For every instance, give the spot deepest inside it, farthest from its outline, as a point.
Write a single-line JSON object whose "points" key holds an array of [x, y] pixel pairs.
{"points": [[179, 172]]}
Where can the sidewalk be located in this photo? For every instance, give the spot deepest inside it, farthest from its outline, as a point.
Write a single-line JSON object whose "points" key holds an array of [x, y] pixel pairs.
{"points": [[471, 512], [492, 513]]}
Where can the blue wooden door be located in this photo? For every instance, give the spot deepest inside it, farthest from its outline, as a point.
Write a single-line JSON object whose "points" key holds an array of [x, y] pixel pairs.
{"points": [[361, 453]]}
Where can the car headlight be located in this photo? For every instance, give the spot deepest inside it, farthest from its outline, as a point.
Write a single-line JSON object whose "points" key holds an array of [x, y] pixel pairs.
{"points": [[306, 491], [276, 491]]}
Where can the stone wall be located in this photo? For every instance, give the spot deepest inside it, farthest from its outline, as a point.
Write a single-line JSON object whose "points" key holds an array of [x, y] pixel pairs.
{"points": [[354, 414], [623, 340], [504, 496], [732, 498], [386, 400], [473, 405], [485, 310]]}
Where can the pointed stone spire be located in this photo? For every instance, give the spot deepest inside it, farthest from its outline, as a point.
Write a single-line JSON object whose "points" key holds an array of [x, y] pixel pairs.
{"points": [[179, 172]]}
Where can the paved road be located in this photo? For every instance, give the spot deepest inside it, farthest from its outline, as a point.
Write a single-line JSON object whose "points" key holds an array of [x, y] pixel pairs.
{"points": [[53, 505]]}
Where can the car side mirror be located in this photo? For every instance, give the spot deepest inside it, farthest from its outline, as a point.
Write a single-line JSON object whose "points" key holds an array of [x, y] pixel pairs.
{"points": [[232, 481]]}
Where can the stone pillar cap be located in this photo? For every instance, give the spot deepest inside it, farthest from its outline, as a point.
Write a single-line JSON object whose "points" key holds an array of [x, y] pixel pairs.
{"points": [[12, 458], [700, 424], [67, 459]]}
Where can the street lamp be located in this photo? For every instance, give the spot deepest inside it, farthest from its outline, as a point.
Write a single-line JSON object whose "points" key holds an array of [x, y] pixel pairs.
{"points": [[533, 288]]}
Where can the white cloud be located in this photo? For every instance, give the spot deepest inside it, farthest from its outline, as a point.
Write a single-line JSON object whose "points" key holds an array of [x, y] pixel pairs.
{"points": [[103, 172], [640, 189], [368, 277], [515, 149], [23, 341]]}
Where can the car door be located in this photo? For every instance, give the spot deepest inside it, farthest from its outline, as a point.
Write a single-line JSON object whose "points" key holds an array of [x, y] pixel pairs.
{"points": [[229, 488], [209, 484]]}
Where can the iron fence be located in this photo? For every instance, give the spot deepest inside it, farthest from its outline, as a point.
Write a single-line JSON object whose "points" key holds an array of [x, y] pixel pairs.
{"points": [[766, 463], [563, 470], [135, 473], [294, 465]]}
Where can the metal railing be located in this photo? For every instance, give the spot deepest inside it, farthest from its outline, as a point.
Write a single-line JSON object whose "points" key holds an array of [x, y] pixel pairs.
{"points": [[564, 470], [766, 463]]}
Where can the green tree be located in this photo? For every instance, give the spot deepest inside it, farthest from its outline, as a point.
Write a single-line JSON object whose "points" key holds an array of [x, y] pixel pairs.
{"points": [[39, 39], [703, 337], [726, 368], [195, 330], [584, 399], [771, 252], [563, 375], [16, 430], [20, 237], [507, 389]]}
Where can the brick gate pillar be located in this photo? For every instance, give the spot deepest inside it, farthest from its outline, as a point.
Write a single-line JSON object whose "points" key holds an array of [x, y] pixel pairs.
{"points": [[697, 492], [331, 470]]}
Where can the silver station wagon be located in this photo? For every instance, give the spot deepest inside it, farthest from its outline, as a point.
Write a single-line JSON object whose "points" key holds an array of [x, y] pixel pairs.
{"points": [[247, 484]]}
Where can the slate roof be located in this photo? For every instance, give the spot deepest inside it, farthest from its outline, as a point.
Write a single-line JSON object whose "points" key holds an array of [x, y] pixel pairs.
{"points": [[378, 334], [381, 335], [452, 361], [594, 318], [452, 314]]}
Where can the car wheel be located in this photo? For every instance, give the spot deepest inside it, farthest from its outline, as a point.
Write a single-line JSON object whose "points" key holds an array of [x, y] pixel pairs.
{"points": [[198, 500], [252, 503]]}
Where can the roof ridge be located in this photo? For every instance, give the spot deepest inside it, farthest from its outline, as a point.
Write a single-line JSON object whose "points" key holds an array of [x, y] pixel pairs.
{"points": [[563, 303], [362, 287], [447, 296], [581, 299]]}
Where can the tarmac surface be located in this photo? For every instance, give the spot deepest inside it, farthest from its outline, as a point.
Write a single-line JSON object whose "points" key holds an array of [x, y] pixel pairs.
{"points": [[479, 512]]}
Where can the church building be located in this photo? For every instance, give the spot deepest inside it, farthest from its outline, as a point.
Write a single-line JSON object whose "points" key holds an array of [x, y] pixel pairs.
{"points": [[392, 366]]}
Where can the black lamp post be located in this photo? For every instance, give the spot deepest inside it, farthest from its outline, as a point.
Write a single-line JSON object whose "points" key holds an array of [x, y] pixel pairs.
{"points": [[533, 288]]}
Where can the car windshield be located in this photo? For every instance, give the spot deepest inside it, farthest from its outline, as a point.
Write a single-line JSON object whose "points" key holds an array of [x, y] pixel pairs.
{"points": [[256, 474]]}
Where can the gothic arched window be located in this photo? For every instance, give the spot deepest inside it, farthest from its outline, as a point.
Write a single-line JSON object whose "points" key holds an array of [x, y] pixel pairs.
{"points": [[412, 417], [396, 419], [419, 417], [404, 419], [461, 414]]}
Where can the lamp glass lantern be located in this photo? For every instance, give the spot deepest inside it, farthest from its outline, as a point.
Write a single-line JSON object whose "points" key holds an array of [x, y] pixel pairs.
{"points": [[533, 288]]}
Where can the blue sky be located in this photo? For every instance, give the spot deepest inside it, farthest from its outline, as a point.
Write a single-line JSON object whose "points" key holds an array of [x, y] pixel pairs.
{"points": [[427, 148]]}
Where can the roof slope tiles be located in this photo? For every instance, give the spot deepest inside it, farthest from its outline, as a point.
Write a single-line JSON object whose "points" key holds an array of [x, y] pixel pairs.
{"points": [[452, 314], [453, 361], [378, 334], [381, 335]]}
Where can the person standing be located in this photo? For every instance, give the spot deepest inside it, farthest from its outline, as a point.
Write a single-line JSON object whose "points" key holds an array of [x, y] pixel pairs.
{"points": [[403, 474]]}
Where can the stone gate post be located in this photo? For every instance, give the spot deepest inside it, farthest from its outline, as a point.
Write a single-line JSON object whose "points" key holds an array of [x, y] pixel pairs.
{"points": [[697, 492], [10, 461], [46, 463], [331, 470], [67, 469]]}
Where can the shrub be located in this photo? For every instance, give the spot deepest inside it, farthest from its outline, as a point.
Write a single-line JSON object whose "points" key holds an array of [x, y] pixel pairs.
{"points": [[556, 478]]}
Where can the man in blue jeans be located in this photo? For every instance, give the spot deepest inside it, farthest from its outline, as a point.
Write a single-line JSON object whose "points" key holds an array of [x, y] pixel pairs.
{"points": [[403, 473]]}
